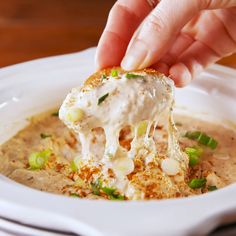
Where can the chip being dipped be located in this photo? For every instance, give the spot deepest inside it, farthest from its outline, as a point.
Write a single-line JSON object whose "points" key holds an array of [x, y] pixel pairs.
{"points": [[128, 104]]}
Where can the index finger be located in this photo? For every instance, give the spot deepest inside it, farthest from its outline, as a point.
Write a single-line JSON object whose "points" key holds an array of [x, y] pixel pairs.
{"points": [[124, 18]]}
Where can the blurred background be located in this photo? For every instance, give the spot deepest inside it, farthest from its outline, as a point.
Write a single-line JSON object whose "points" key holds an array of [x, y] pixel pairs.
{"points": [[31, 29]]}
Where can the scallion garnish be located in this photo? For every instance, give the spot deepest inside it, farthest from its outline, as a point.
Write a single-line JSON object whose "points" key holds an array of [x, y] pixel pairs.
{"points": [[202, 138], [56, 113], [108, 191], [212, 188], [194, 154], [142, 128], [103, 77], [101, 99], [38, 160], [43, 136], [114, 73], [117, 197], [133, 76], [197, 183], [75, 195], [111, 192], [73, 166], [97, 187]]}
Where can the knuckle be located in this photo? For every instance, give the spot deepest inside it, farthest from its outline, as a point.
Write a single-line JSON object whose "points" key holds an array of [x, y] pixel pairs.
{"points": [[153, 3], [155, 22]]}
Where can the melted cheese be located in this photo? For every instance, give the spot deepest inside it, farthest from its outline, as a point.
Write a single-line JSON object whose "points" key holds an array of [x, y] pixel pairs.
{"points": [[119, 102]]}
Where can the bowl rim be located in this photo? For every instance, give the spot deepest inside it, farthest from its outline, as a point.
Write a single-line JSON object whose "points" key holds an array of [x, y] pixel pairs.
{"points": [[18, 202]]}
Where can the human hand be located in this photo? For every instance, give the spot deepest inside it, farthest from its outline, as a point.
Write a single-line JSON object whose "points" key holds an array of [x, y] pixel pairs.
{"points": [[177, 37]]}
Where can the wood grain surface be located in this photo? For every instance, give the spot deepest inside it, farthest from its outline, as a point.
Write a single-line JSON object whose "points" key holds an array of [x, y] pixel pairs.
{"points": [[32, 29]]}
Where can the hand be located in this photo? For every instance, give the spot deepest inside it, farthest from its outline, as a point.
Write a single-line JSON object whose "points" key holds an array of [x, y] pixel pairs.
{"points": [[177, 37]]}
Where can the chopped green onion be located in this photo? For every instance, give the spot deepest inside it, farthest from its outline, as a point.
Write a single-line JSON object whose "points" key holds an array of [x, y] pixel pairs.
{"points": [[101, 99], [38, 160], [117, 197], [114, 73], [202, 138], [76, 163], [194, 154], [133, 76], [212, 188], [43, 136], [56, 113], [73, 166], [108, 191], [103, 77], [111, 192], [95, 188], [74, 195], [193, 160], [142, 128], [197, 183]]}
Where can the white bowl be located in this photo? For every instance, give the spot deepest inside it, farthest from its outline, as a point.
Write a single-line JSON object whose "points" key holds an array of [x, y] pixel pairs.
{"points": [[29, 88]]}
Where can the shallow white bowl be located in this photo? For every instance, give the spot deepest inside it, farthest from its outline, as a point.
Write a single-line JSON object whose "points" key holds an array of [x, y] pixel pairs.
{"points": [[29, 88]]}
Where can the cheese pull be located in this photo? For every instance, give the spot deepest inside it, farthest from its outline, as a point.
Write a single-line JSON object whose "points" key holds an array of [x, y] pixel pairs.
{"points": [[113, 99]]}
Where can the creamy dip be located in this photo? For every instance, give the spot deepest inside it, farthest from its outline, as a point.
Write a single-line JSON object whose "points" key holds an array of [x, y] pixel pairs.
{"points": [[124, 99], [57, 176], [120, 142]]}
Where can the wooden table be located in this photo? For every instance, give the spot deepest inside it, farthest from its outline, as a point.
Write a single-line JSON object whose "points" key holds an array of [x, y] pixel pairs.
{"points": [[32, 29]]}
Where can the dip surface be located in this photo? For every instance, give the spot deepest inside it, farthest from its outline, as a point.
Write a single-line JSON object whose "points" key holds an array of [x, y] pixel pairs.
{"points": [[59, 175]]}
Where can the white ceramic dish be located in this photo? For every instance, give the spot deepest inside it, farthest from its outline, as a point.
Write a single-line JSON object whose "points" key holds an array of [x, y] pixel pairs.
{"points": [[36, 86]]}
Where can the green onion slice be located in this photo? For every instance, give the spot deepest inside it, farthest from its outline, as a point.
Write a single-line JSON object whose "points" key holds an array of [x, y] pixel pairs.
{"points": [[102, 99], [194, 154], [97, 187], [43, 136], [114, 73], [108, 191], [133, 76], [202, 138], [38, 160], [73, 166], [212, 188], [103, 77], [193, 160], [117, 197], [142, 128], [75, 195], [197, 183]]}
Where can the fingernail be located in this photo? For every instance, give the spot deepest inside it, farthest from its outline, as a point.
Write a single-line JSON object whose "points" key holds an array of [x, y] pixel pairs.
{"points": [[135, 56]]}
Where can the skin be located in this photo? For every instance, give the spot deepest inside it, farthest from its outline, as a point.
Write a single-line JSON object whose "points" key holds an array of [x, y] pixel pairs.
{"points": [[177, 37]]}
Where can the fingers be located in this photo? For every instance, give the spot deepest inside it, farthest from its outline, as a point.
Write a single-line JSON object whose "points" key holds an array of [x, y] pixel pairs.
{"points": [[158, 32], [161, 27], [192, 62], [216, 4], [123, 20], [214, 31], [182, 42], [214, 40]]}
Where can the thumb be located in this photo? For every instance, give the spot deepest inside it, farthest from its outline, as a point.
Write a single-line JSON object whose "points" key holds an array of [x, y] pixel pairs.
{"points": [[161, 27]]}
